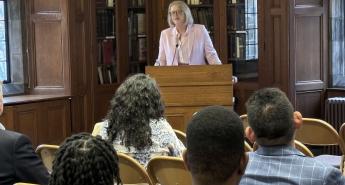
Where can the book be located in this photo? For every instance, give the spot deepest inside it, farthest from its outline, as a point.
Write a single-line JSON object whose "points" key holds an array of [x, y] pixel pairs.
{"points": [[142, 49], [100, 75], [110, 3], [141, 23], [108, 51]]}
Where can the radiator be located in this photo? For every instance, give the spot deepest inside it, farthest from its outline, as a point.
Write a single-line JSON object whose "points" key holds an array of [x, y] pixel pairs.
{"points": [[335, 115]]}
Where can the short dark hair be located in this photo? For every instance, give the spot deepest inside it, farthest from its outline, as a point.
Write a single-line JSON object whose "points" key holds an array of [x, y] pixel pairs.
{"points": [[85, 159], [136, 102], [270, 115], [215, 144]]}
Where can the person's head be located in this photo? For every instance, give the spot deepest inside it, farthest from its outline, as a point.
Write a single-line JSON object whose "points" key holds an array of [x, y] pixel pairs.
{"points": [[271, 118], [135, 103], [179, 12], [215, 147], [1, 99], [85, 159]]}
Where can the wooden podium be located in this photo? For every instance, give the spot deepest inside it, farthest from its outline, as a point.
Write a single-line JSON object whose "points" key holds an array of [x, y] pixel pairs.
{"points": [[187, 89]]}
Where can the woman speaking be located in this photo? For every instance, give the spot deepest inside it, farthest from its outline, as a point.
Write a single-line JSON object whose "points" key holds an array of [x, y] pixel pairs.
{"points": [[185, 43]]}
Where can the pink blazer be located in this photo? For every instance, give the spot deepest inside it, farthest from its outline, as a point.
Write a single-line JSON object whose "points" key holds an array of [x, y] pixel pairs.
{"points": [[199, 45]]}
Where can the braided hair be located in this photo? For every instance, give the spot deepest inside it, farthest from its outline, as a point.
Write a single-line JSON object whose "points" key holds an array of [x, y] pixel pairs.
{"points": [[135, 103], [83, 159]]}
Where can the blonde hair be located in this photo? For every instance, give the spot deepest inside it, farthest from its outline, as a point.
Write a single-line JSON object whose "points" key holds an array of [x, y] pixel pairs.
{"points": [[186, 11]]}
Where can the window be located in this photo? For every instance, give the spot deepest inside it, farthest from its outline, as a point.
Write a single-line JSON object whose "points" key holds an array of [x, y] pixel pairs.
{"points": [[337, 43], [251, 16], [4, 59]]}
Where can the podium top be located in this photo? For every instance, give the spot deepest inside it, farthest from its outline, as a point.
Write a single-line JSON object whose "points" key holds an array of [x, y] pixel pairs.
{"points": [[191, 75]]}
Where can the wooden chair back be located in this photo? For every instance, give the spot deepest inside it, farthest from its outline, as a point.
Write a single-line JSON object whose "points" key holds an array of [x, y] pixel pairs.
{"points": [[342, 136], [181, 136], [168, 171], [96, 129], [244, 119], [47, 154], [131, 171], [247, 147], [316, 132], [304, 149]]}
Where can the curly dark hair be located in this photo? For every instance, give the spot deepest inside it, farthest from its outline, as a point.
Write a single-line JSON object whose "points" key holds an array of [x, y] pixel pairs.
{"points": [[215, 144], [135, 103], [83, 159]]}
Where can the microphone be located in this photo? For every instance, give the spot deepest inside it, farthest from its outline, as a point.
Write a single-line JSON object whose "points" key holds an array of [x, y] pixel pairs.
{"points": [[176, 46]]}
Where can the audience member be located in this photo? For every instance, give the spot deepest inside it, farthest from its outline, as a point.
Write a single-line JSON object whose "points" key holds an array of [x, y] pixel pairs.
{"points": [[215, 147], [19, 162], [135, 123], [272, 126], [84, 159]]}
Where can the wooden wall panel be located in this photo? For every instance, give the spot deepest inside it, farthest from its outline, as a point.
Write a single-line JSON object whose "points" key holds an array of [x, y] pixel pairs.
{"points": [[26, 121], [48, 47], [273, 37], [43, 121], [309, 55], [309, 103], [7, 117], [47, 6], [102, 105], [49, 55], [56, 122], [309, 62], [81, 64]]}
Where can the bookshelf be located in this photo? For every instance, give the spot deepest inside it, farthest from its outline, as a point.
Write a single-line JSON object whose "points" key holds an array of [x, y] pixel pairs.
{"points": [[137, 36], [106, 42], [202, 12], [242, 30]]}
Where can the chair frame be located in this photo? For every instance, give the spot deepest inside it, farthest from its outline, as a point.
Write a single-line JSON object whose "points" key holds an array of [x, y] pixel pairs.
{"points": [[96, 129], [181, 136], [342, 136], [136, 166], [51, 148], [324, 125], [153, 162], [304, 149]]}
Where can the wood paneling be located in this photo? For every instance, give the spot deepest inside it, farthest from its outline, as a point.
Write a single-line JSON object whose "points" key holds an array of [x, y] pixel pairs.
{"points": [[309, 103], [309, 62], [47, 6], [49, 56], [81, 64], [48, 49], [309, 55], [43, 121], [206, 85], [273, 37], [179, 117], [7, 118]]}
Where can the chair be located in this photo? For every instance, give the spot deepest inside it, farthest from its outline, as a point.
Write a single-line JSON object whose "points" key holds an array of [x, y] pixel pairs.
{"points": [[47, 154], [181, 136], [244, 119], [96, 129], [131, 172], [316, 132], [247, 147], [304, 149], [342, 135], [168, 171]]}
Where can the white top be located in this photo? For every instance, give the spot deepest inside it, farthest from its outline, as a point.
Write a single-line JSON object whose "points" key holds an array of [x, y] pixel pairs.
{"points": [[163, 136]]}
